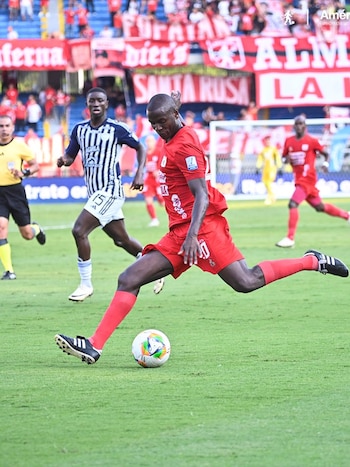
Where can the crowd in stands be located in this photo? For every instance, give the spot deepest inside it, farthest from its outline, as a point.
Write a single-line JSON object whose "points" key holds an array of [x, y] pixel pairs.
{"points": [[243, 17], [28, 115]]}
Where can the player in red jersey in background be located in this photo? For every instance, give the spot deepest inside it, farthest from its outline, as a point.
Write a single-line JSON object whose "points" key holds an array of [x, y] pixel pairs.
{"points": [[301, 152], [198, 233], [151, 187]]}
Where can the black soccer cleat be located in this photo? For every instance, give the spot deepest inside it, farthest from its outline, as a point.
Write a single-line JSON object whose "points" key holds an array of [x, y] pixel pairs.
{"points": [[41, 237], [329, 264], [8, 276], [79, 347]]}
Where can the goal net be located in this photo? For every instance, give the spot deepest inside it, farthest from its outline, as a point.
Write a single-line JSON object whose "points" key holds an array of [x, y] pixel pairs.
{"points": [[235, 145]]}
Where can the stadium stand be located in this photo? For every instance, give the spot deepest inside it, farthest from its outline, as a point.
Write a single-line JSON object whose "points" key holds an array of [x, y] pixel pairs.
{"points": [[28, 29]]}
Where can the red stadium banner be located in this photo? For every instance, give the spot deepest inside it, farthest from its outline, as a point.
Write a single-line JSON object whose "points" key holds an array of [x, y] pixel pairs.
{"points": [[79, 57], [194, 88], [289, 70], [33, 54], [282, 54]]}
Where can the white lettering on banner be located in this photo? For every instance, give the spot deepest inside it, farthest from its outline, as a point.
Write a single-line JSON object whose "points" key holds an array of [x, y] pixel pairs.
{"points": [[193, 88], [151, 54], [31, 57], [279, 89], [322, 56], [55, 192], [214, 28]]}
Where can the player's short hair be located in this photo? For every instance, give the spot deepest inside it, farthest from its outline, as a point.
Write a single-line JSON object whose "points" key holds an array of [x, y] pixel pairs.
{"points": [[103, 91]]}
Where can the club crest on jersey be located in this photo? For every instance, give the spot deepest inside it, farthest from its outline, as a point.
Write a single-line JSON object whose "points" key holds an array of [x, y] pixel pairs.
{"points": [[191, 162], [163, 161]]}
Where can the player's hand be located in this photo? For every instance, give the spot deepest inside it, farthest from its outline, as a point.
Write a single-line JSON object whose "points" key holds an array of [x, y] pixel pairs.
{"points": [[325, 167], [17, 173], [191, 250], [176, 96], [137, 183], [64, 160]]}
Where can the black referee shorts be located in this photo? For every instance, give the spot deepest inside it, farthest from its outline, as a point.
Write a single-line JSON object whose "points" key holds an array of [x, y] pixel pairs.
{"points": [[13, 201]]}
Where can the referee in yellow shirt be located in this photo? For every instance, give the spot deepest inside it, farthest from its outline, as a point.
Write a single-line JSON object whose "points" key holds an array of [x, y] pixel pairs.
{"points": [[13, 200]]}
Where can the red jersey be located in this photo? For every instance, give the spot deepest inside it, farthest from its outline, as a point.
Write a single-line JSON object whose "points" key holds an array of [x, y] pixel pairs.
{"points": [[302, 156], [184, 160]]}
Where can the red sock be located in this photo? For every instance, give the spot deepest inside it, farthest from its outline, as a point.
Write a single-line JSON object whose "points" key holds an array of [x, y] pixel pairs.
{"points": [[151, 211], [292, 222], [332, 210], [119, 307], [280, 268]]}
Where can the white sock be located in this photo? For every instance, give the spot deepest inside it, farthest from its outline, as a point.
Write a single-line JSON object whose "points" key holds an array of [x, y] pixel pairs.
{"points": [[85, 271]]}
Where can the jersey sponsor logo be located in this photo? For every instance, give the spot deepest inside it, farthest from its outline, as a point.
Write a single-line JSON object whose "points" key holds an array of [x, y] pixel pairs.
{"points": [[178, 207], [297, 158], [191, 162]]}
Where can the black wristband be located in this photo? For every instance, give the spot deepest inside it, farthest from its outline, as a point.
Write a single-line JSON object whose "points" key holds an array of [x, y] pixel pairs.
{"points": [[26, 172]]}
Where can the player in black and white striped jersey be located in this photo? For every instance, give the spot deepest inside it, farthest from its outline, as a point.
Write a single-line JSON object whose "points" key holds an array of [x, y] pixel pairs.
{"points": [[99, 141]]}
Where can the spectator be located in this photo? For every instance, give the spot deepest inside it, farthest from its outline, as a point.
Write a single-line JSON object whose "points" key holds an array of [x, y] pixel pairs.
{"points": [[90, 6], [12, 94], [189, 118], [61, 102], [87, 32], [44, 7], [82, 16], [69, 16], [21, 115], [118, 24], [120, 113], [26, 7], [13, 10], [106, 32], [252, 111], [11, 33], [114, 7], [34, 113], [42, 101], [196, 15], [208, 115], [50, 97]]}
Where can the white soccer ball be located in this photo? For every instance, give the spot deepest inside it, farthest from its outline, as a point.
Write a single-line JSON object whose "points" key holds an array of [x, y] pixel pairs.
{"points": [[151, 348]]}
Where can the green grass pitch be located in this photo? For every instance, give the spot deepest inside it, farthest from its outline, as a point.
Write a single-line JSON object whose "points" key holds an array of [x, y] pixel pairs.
{"points": [[256, 380]]}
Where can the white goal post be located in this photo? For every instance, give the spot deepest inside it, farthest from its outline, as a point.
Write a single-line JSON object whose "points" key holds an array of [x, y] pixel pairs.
{"points": [[234, 146]]}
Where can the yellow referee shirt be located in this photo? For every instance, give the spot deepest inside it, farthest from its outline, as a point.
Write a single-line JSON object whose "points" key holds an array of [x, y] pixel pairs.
{"points": [[12, 156]]}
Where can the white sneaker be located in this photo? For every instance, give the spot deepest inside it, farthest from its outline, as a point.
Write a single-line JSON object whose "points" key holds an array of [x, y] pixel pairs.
{"points": [[81, 293], [158, 285], [154, 223], [286, 243]]}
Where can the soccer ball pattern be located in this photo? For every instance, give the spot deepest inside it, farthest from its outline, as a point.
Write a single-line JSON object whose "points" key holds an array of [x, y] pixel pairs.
{"points": [[151, 348]]}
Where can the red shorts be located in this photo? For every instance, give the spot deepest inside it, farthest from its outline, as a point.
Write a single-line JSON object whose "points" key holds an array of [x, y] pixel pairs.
{"points": [[308, 193], [217, 245]]}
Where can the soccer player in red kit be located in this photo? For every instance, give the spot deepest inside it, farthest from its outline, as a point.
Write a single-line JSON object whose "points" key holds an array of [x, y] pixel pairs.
{"points": [[198, 233], [151, 187], [301, 152]]}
